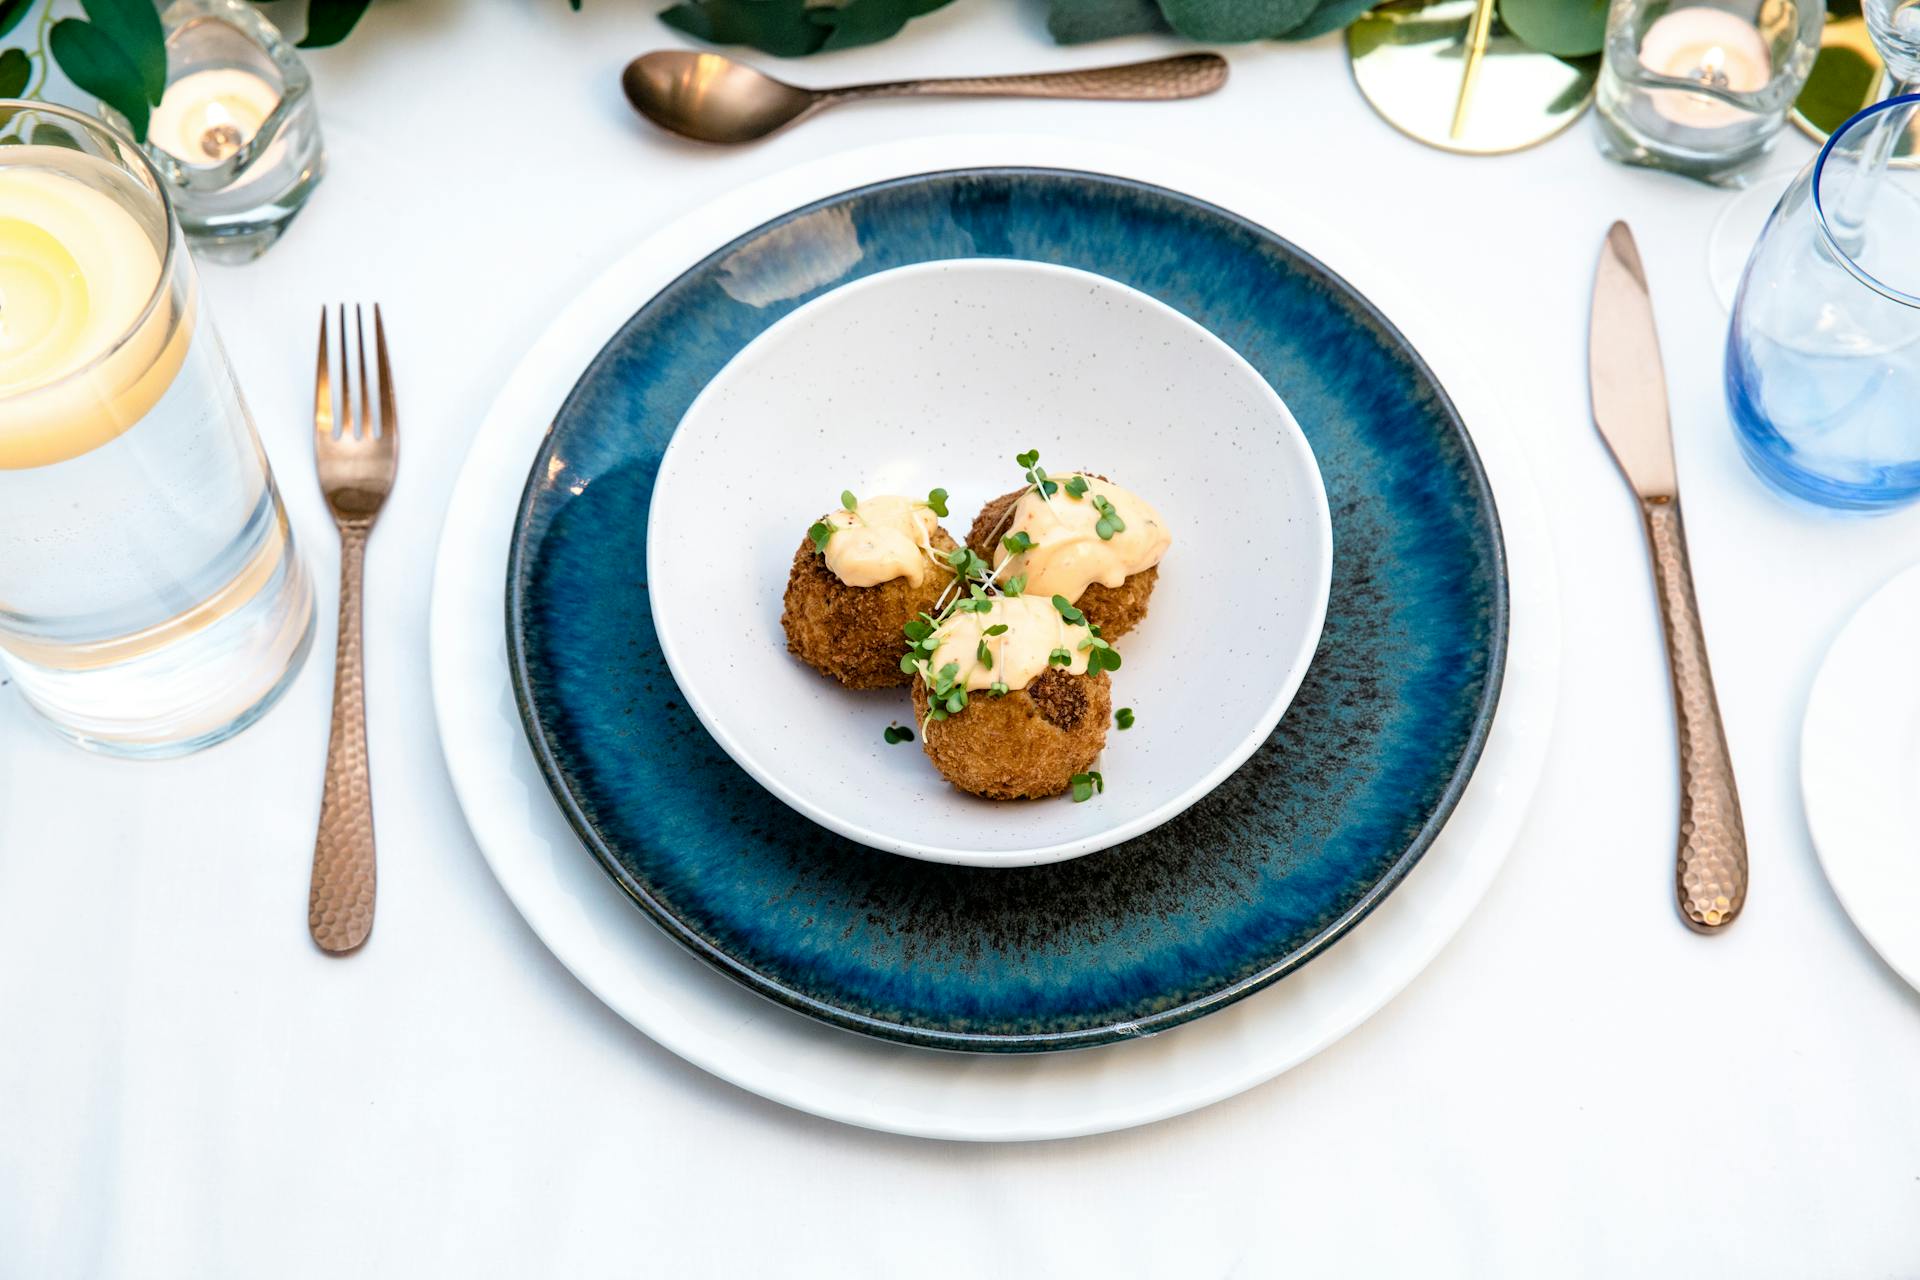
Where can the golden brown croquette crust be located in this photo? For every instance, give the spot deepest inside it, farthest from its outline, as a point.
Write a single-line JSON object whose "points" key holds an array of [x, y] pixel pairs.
{"points": [[1115, 610], [1025, 744], [853, 633]]}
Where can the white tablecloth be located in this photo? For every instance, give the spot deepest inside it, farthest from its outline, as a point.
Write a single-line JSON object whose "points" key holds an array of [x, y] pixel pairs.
{"points": [[1578, 1086]]}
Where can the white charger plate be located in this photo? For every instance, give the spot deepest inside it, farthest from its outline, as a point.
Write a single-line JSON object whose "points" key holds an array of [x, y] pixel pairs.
{"points": [[1860, 771], [937, 375], [722, 1027]]}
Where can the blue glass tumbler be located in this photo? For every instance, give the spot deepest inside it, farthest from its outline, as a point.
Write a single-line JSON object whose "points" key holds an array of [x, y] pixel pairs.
{"points": [[1823, 355]]}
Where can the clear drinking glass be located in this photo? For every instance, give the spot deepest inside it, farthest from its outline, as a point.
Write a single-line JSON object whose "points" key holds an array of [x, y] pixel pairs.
{"points": [[1703, 89], [151, 600], [1823, 355]]}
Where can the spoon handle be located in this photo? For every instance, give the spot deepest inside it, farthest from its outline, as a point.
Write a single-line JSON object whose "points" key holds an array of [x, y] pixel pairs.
{"points": [[1187, 76]]}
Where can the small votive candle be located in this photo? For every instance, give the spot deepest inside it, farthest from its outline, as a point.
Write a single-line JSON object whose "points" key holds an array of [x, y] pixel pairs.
{"points": [[1744, 62], [236, 136], [206, 116]]}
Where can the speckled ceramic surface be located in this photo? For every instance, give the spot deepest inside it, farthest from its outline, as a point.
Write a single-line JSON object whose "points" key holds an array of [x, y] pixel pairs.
{"points": [[1235, 892], [937, 375]]}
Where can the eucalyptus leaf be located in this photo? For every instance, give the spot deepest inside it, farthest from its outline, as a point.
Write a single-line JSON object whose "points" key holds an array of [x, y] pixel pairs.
{"points": [[1332, 15], [134, 28], [778, 27], [1233, 21], [1080, 21], [11, 11], [330, 21], [15, 71], [1564, 28], [861, 22], [95, 64]]}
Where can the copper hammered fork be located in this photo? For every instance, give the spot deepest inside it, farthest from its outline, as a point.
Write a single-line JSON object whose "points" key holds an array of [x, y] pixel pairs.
{"points": [[356, 468]]}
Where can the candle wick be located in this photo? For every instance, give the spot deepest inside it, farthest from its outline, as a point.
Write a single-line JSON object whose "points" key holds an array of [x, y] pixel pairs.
{"points": [[220, 141], [1710, 71]]}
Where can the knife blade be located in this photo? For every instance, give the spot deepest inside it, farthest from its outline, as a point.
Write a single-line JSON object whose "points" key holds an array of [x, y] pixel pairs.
{"points": [[1629, 393], [1629, 385]]}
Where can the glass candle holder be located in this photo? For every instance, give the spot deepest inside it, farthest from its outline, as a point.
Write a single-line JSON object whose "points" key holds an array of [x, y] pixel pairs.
{"points": [[1703, 89], [151, 599], [236, 137]]}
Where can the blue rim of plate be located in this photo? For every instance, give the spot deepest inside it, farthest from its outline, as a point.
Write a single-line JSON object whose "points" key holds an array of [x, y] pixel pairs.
{"points": [[1266, 872]]}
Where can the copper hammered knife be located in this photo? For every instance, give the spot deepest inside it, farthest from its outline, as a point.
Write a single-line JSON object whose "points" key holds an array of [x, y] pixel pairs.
{"points": [[1629, 391]]}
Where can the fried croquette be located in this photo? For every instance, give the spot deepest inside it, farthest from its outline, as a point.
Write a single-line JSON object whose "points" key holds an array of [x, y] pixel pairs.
{"points": [[853, 633], [1115, 610], [1022, 745]]}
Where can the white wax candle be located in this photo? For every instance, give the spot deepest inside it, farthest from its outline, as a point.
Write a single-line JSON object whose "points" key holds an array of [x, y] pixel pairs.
{"points": [[207, 116], [1713, 47], [83, 355]]}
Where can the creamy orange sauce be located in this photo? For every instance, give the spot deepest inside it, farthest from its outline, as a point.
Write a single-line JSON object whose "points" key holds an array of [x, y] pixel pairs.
{"points": [[886, 537], [1034, 629], [1068, 554]]}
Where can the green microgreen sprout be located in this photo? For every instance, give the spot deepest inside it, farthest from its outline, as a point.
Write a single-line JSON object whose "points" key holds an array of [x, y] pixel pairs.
{"points": [[1068, 612], [848, 501], [1059, 658], [1015, 543], [997, 629], [1110, 522], [1077, 487], [1085, 784], [937, 502], [1124, 718], [821, 532], [1037, 474], [985, 655], [897, 734], [998, 688], [1101, 656], [1013, 586]]}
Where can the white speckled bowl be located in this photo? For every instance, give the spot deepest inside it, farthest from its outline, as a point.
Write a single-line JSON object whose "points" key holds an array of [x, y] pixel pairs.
{"points": [[936, 375]]}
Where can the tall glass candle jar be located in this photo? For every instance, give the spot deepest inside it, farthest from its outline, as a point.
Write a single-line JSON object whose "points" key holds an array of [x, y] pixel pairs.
{"points": [[151, 600], [1703, 89]]}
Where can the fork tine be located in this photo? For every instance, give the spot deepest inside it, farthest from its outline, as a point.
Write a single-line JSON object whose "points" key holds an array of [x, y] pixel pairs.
{"points": [[322, 391], [360, 342], [389, 412], [346, 380]]}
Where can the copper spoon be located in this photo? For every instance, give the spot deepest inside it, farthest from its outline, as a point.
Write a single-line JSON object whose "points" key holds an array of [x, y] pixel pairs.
{"points": [[710, 98]]}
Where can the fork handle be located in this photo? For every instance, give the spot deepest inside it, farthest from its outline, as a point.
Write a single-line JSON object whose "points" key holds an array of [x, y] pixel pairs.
{"points": [[340, 902], [1710, 871]]}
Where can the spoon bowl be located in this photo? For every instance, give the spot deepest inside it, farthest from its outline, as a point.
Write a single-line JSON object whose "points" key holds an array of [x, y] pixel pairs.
{"points": [[709, 98]]}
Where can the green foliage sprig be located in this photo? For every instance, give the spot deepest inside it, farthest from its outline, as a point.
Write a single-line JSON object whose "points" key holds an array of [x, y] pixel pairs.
{"points": [[117, 51], [794, 28]]}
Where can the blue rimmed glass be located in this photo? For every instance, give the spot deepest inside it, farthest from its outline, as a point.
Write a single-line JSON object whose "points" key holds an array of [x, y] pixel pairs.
{"points": [[1823, 356]]}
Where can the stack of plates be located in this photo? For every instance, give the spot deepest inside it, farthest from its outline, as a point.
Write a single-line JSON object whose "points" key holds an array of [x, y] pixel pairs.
{"points": [[831, 972]]}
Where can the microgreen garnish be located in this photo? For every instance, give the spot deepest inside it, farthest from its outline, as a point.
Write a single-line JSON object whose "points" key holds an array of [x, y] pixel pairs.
{"points": [[897, 733], [1085, 784], [985, 655], [1077, 487], [1124, 717], [997, 629], [966, 563], [998, 689], [848, 501], [1101, 656], [1037, 474], [1059, 658], [1015, 543], [1110, 522], [948, 696], [1067, 610], [820, 531], [1013, 586], [937, 502]]}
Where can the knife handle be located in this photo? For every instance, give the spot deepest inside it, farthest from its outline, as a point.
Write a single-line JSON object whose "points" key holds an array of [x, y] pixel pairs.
{"points": [[1710, 876]]}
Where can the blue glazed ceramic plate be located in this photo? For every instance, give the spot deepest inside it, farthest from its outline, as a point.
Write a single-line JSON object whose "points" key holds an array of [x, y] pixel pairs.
{"points": [[1234, 893]]}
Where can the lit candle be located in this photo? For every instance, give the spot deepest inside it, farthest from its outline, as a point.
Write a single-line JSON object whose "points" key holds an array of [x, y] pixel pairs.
{"points": [[1710, 46], [206, 116], [78, 277]]}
